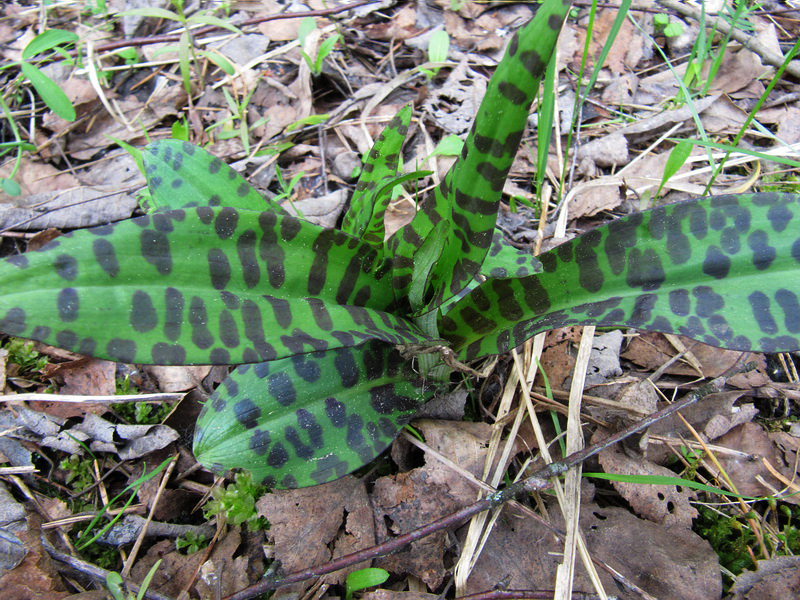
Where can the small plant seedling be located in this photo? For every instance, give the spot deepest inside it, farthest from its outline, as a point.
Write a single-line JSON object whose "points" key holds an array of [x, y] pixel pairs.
{"points": [[238, 113], [22, 353], [237, 502], [438, 49], [188, 54], [325, 48], [142, 413], [114, 584], [666, 27], [80, 474], [340, 336], [38, 51], [191, 542]]}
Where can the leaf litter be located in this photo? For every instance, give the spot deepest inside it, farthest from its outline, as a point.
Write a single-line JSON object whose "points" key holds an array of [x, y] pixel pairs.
{"points": [[620, 163]]}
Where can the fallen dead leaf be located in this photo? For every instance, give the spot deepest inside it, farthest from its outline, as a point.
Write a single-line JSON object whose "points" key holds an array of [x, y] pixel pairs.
{"points": [[557, 362], [36, 576], [393, 595], [304, 523], [667, 562], [401, 26], [409, 500], [177, 379], [453, 104], [714, 416], [752, 440], [651, 351], [626, 51], [668, 505], [68, 209], [774, 579], [177, 571], [34, 177]]}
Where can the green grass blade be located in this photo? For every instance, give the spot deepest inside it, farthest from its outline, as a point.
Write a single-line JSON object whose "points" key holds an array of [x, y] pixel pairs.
{"points": [[667, 480], [50, 93]]}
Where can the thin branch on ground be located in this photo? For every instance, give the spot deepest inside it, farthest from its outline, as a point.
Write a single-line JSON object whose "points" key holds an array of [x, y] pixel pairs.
{"points": [[93, 571]]}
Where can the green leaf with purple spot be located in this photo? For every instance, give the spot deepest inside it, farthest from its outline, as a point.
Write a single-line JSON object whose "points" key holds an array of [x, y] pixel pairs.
{"points": [[180, 175], [723, 270], [312, 418], [202, 285]]}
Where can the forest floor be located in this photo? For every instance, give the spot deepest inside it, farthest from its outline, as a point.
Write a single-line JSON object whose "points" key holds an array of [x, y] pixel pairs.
{"points": [[67, 460]]}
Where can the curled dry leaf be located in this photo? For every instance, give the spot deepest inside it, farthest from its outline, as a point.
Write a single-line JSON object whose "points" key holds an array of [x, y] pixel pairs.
{"points": [[409, 500], [652, 350], [306, 523], [746, 469], [667, 562], [668, 505], [773, 579]]}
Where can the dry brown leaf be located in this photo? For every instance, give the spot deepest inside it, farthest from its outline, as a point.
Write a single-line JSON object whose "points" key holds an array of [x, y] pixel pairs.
{"points": [[666, 562], [393, 595], [177, 379], [177, 571], [595, 197], [668, 505], [453, 104], [36, 576], [523, 554], [621, 89], [81, 206], [739, 69], [723, 117], [651, 127], [405, 502], [84, 376], [606, 151], [628, 45], [714, 416], [756, 443], [409, 500], [789, 125], [34, 177], [166, 100], [305, 522], [557, 362], [775, 579], [402, 26], [650, 351]]}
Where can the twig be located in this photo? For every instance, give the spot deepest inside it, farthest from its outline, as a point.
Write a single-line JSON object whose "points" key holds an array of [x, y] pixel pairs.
{"points": [[91, 570], [524, 594], [155, 397], [748, 41], [536, 482], [174, 37]]}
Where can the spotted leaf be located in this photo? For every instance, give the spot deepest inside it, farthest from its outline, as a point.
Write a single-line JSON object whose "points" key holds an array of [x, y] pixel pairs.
{"points": [[309, 419], [722, 270], [382, 161], [180, 175], [506, 260], [201, 285], [470, 192]]}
